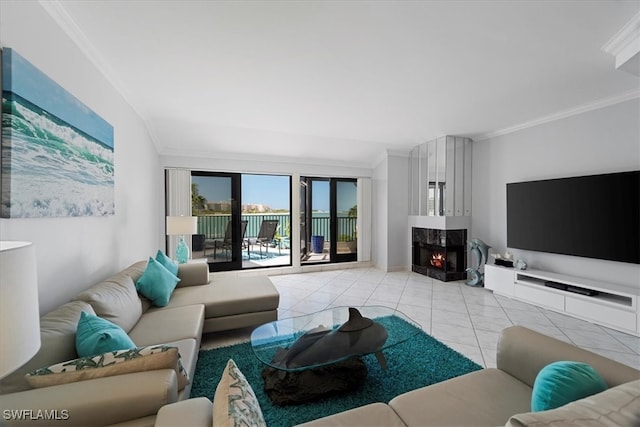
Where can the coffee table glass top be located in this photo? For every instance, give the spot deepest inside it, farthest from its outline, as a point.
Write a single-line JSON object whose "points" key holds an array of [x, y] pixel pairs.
{"points": [[269, 340]]}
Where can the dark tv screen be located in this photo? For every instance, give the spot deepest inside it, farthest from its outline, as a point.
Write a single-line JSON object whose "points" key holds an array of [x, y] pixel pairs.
{"points": [[596, 216]]}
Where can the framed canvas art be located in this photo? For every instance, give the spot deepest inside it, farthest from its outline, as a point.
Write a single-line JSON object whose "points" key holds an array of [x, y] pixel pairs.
{"points": [[57, 155]]}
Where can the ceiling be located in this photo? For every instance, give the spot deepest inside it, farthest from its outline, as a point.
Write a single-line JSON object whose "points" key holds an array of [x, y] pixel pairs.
{"points": [[340, 82]]}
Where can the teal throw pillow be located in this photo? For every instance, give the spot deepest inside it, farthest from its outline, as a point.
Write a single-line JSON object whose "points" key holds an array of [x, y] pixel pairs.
{"points": [[563, 382], [167, 262], [96, 335], [157, 283]]}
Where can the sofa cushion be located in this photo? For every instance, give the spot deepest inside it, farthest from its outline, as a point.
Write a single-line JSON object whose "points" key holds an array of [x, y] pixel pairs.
{"points": [[230, 296], [116, 300], [167, 262], [197, 411], [562, 382], [188, 350], [57, 343], [157, 283], [135, 270], [193, 274], [372, 415], [487, 397], [519, 355], [169, 324], [111, 363], [96, 336], [617, 406], [234, 402]]}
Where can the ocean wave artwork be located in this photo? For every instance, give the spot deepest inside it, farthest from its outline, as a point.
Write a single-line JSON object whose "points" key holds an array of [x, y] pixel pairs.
{"points": [[57, 156]]}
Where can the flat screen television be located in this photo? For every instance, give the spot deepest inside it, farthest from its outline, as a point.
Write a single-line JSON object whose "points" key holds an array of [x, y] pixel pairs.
{"points": [[595, 216]]}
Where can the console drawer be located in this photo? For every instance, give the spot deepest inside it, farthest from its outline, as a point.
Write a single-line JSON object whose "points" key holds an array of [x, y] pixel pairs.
{"points": [[537, 295], [499, 279], [601, 313]]}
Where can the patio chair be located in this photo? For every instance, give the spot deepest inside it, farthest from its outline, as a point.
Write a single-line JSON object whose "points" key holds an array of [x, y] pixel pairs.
{"points": [[227, 241], [265, 237]]}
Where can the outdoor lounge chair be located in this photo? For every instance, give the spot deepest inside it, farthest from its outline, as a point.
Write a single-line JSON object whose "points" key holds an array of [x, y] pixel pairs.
{"points": [[266, 235], [227, 241]]}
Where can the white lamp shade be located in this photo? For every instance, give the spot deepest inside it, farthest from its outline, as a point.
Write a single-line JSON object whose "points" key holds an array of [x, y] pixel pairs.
{"points": [[19, 308], [182, 225]]}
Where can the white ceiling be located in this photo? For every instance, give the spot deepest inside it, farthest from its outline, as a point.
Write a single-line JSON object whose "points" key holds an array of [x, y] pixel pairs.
{"points": [[343, 81]]}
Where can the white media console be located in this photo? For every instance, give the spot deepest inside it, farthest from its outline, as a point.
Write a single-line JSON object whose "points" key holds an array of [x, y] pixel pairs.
{"points": [[607, 304]]}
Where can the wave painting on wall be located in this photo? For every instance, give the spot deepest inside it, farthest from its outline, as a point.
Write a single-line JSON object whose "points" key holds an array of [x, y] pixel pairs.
{"points": [[57, 156]]}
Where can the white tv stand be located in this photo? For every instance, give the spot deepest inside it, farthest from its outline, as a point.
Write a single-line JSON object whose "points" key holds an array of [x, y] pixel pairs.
{"points": [[611, 305]]}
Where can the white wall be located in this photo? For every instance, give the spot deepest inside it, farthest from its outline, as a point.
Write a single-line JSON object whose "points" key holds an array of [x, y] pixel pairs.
{"points": [[599, 141], [398, 213], [74, 253], [380, 215], [390, 249]]}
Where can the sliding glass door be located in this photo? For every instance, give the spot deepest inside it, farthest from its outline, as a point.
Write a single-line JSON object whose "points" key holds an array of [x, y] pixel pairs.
{"points": [[328, 219], [345, 215], [244, 220], [266, 212], [214, 200]]}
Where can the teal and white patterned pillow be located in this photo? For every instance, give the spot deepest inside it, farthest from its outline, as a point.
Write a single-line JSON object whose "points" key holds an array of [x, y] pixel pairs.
{"points": [[234, 403], [111, 363]]}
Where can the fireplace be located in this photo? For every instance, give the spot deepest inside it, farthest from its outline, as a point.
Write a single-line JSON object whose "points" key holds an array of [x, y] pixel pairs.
{"points": [[440, 254]]}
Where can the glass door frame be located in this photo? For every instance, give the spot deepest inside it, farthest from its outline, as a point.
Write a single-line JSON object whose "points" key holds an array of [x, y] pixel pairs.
{"points": [[306, 214], [235, 262], [333, 222]]}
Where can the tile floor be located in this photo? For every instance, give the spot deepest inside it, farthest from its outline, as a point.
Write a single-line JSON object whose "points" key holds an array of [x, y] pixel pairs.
{"points": [[467, 319]]}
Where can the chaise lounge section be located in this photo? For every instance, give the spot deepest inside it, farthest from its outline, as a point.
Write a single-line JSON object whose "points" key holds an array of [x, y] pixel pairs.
{"points": [[230, 302]]}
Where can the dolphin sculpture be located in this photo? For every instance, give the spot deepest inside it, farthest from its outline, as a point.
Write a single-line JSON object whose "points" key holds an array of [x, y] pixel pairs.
{"points": [[481, 250], [359, 335]]}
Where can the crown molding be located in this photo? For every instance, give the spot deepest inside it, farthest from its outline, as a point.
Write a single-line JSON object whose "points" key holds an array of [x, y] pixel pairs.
{"points": [[627, 35], [59, 14], [602, 103], [625, 46]]}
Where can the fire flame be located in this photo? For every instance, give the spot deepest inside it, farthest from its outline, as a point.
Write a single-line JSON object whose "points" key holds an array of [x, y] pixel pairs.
{"points": [[437, 260]]}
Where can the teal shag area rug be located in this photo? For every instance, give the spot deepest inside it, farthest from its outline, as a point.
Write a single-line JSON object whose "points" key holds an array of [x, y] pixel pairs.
{"points": [[420, 361]]}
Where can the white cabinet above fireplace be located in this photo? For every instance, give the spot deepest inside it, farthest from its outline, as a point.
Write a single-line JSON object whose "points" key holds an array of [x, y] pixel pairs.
{"points": [[440, 178], [440, 222]]}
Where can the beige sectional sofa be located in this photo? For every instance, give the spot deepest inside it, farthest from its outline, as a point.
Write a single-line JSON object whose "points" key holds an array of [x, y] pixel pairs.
{"points": [[489, 397], [197, 305]]}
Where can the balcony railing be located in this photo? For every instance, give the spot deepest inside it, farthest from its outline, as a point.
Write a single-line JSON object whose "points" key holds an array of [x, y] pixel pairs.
{"points": [[214, 226]]}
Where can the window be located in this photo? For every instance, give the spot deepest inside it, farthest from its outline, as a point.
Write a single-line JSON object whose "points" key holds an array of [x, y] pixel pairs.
{"points": [[244, 220], [328, 219]]}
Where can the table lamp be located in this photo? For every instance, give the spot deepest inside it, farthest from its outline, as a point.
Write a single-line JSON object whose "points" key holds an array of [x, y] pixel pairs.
{"points": [[181, 226], [19, 308]]}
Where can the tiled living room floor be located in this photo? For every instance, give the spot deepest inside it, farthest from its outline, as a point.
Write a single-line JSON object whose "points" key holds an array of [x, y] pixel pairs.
{"points": [[468, 319]]}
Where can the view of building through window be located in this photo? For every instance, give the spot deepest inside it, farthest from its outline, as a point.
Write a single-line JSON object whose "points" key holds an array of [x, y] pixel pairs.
{"points": [[262, 237]]}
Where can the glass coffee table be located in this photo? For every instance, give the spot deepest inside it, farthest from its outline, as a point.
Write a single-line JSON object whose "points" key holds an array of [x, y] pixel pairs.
{"points": [[323, 334], [326, 346]]}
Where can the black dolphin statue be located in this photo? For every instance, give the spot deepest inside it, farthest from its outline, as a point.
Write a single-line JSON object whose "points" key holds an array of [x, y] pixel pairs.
{"points": [[358, 336]]}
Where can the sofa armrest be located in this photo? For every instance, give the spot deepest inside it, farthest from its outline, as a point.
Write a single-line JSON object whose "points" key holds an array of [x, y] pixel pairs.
{"points": [[522, 353], [96, 402], [193, 274], [196, 412]]}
